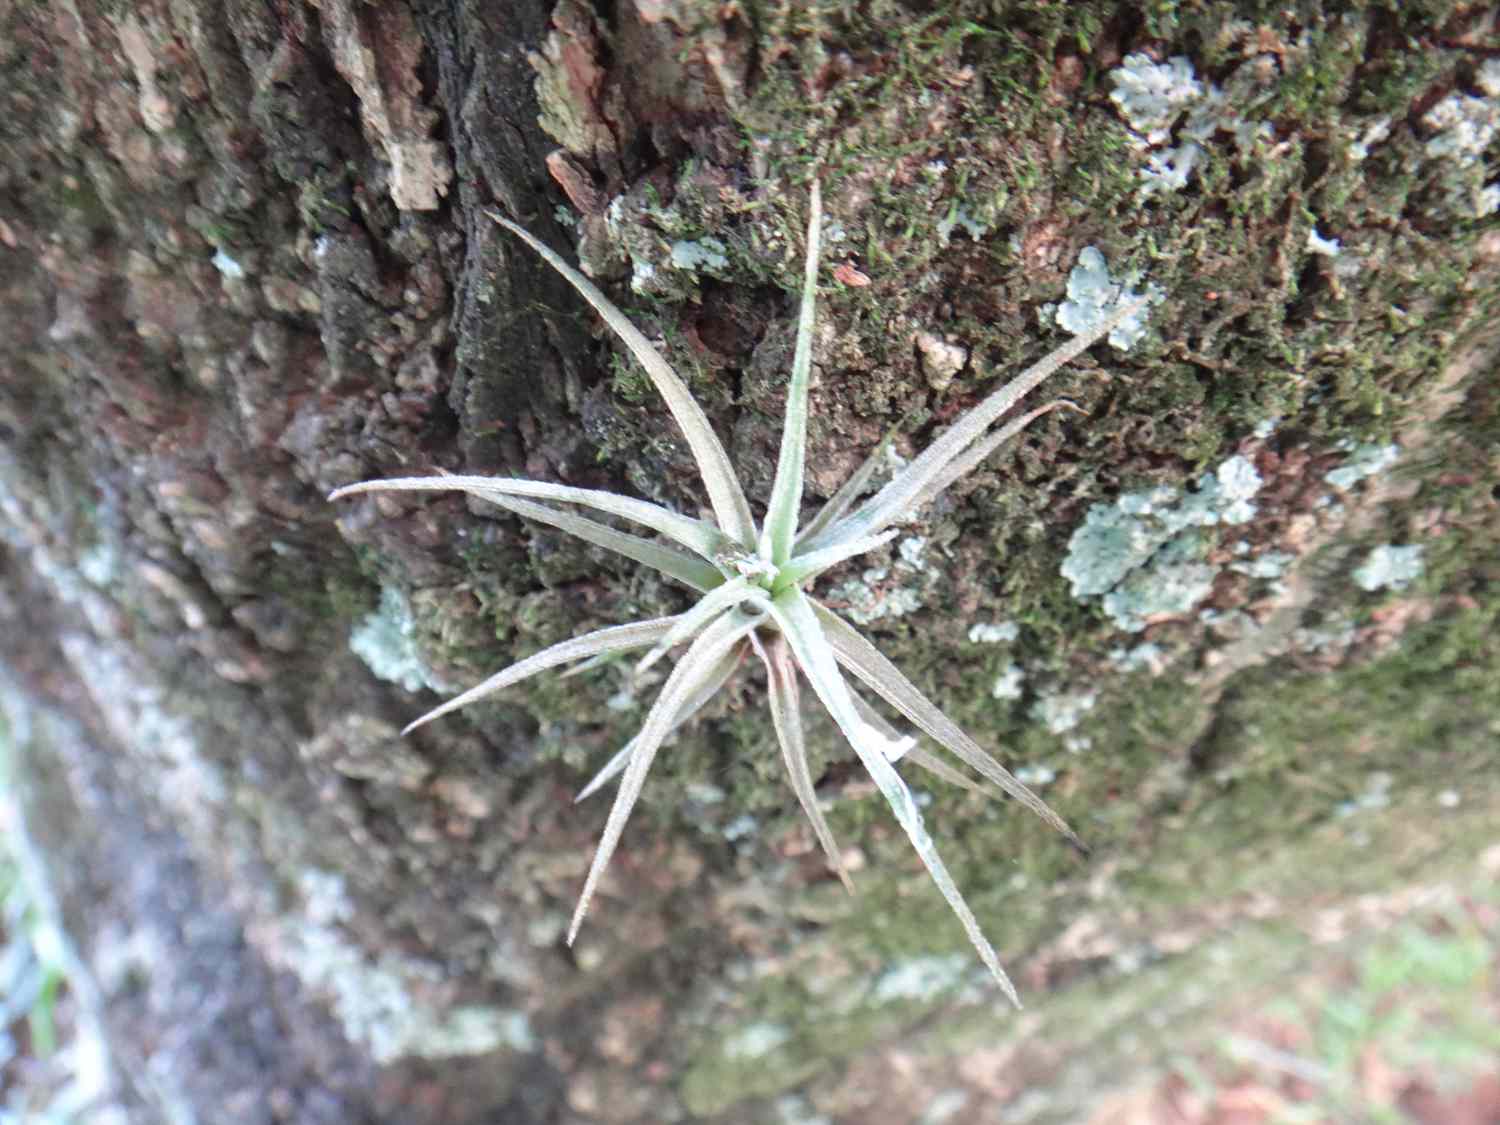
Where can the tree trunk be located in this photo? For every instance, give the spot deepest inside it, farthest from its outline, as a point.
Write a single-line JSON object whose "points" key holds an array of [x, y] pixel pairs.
{"points": [[1236, 618]]}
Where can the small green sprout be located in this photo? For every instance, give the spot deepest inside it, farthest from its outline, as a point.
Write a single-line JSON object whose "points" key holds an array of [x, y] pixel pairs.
{"points": [[755, 584]]}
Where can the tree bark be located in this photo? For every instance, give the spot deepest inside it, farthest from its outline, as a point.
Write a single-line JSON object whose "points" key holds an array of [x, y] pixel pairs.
{"points": [[245, 260]]}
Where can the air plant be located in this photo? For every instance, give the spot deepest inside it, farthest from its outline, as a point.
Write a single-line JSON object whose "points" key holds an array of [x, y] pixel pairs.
{"points": [[754, 583]]}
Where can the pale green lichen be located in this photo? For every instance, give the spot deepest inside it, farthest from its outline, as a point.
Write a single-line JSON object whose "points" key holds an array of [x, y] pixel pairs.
{"points": [[1151, 95], [1335, 635], [1037, 775], [1488, 77], [1364, 461], [100, 564], [642, 273], [1464, 129], [1272, 564], [740, 828], [1093, 294], [756, 1039], [1373, 133], [920, 978], [1377, 795], [704, 792], [1390, 568], [958, 217], [1176, 581], [1009, 683], [384, 640], [1154, 97], [185, 780], [700, 254], [1317, 244], [623, 700], [888, 591], [1144, 553], [1063, 711], [1145, 656], [378, 1000], [993, 632], [227, 266]]}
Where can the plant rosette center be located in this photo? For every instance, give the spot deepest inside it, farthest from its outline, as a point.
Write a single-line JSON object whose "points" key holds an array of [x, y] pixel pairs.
{"points": [[737, 563], [753, 584]]}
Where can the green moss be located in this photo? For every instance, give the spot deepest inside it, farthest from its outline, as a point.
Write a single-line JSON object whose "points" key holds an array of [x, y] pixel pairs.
{"points": [[1254, 811]]}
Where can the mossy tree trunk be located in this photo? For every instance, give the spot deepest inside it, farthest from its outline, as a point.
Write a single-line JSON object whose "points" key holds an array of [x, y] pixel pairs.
{"points": [[244, 259]]}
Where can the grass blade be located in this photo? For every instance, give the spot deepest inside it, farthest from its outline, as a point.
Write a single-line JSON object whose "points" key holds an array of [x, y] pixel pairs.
{"points": [[696, 666], [637, 634], [886, 680], [696, 535], [724, 491], [871, 717], [803, 568], [848, 492], [673, 563], [707, 691], [610, 771], [915, 754], [934, 765], [896, 498], [786, 493], [800, 625], [975, 455], [786, 716], [587, 666], [709, 606]]}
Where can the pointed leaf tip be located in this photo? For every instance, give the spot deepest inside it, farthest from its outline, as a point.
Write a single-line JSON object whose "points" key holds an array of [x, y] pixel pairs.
{"points": [[780, 529], [725, 494], [696, 667]]}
